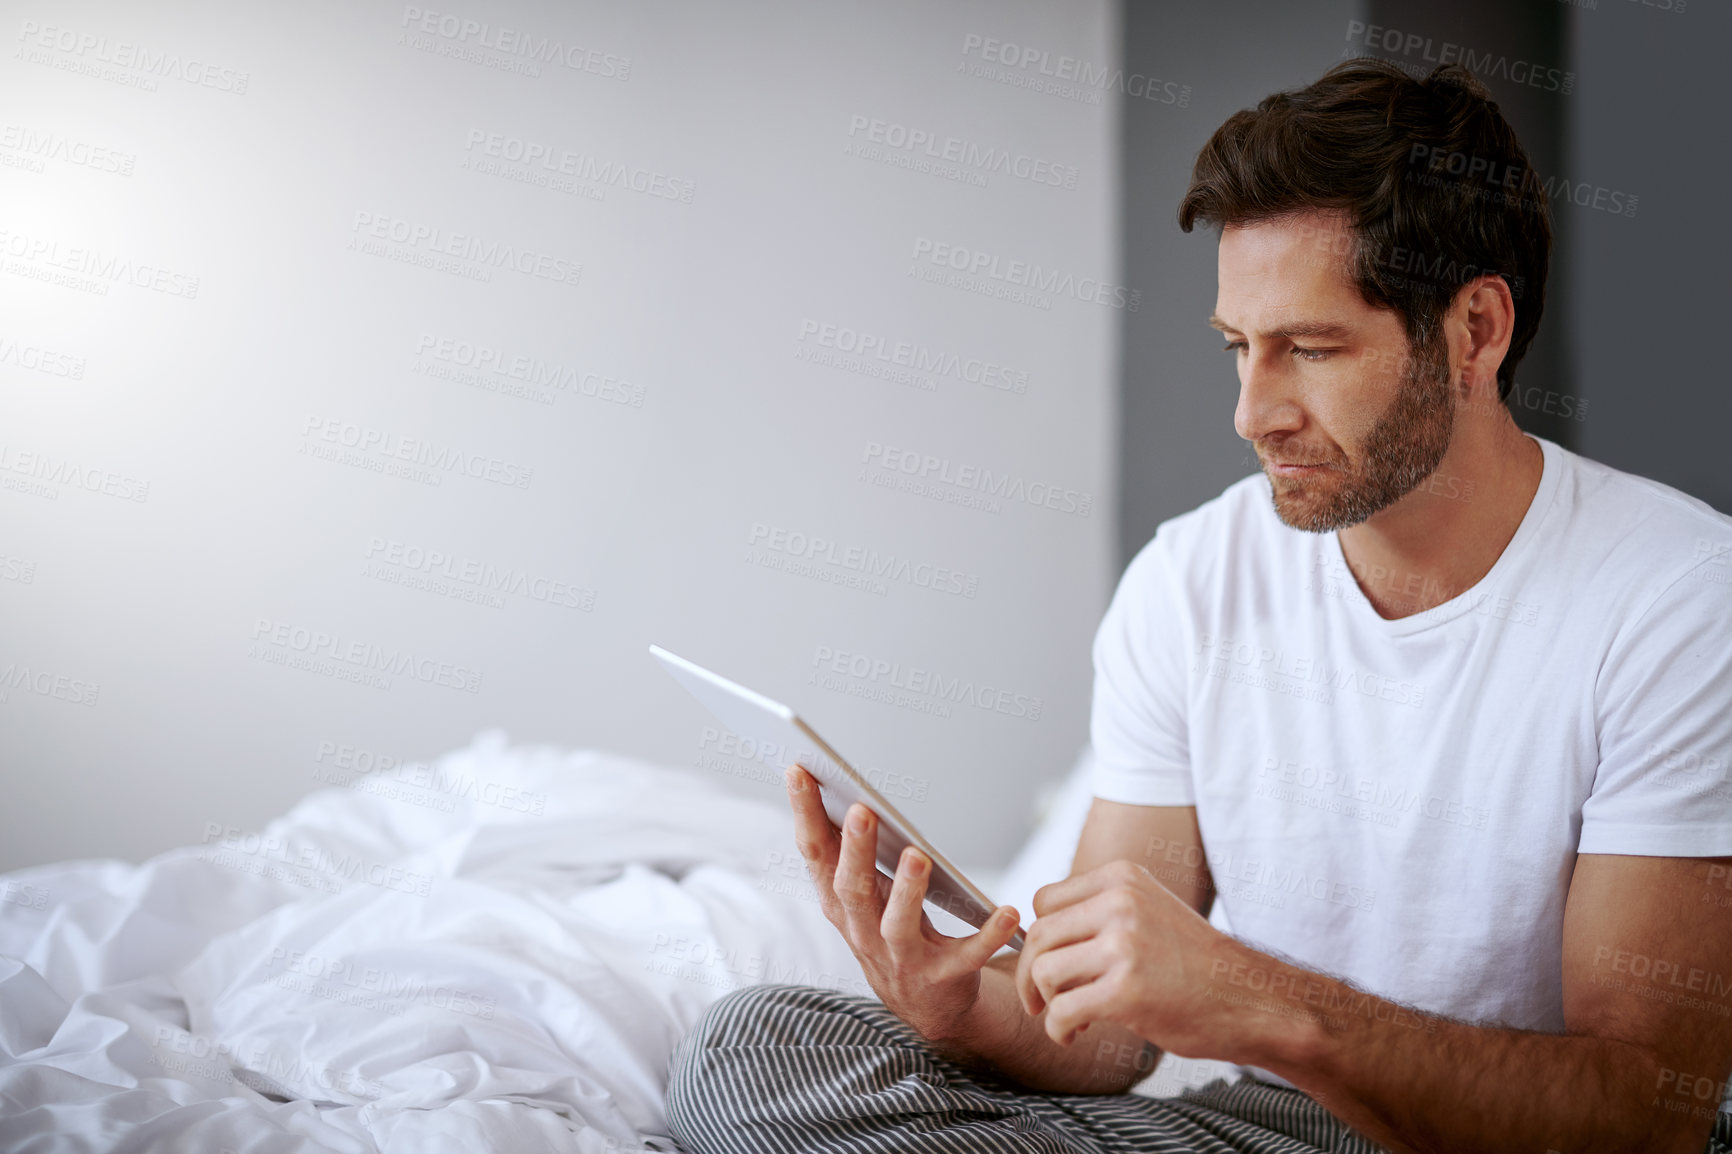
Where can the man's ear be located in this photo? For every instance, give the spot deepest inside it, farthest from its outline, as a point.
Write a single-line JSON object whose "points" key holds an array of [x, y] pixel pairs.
{"points": [[1482, 320]]}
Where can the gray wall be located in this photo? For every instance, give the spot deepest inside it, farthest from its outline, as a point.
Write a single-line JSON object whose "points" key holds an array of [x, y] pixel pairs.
{"points": [[1650, 290]]}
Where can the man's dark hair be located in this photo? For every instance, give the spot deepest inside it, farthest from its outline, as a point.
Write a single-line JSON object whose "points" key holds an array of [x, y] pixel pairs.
{"points": [[1435, 188]]}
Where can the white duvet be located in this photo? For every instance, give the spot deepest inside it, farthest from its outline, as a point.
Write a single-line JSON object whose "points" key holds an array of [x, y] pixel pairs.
{"points": [[372, 974]]}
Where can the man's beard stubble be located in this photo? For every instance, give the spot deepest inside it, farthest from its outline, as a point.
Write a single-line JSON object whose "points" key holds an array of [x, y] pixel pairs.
{"points": [[1404, 447]]}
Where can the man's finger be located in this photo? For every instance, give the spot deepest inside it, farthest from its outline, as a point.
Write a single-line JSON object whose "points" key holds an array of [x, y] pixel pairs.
{"points": [[856, 882], [973, 952], [1075, 1010], [815, 837], [1064, 928], [901, 924], [1026, 991], [1049, 899], [1056, 971]]}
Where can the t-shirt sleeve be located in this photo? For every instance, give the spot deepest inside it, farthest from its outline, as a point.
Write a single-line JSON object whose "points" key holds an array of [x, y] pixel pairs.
{"points": [[1137, 719], [1664, 701]]}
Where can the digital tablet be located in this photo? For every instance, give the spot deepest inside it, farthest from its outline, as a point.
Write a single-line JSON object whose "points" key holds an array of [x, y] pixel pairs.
{"points": [[775, 726]]}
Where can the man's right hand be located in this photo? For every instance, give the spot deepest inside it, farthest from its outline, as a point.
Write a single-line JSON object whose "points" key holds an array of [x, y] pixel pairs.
{"points": [[930, 981]]}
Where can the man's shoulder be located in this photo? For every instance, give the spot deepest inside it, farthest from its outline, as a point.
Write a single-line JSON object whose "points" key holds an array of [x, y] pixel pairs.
{"points": [[1638, 525]]}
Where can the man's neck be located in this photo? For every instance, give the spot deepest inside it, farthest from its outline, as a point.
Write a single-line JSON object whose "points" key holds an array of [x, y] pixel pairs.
{"points": [[1438, 541]]}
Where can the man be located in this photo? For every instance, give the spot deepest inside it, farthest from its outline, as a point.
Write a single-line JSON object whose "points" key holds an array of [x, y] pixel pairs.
{"points": [[1449, 706]]}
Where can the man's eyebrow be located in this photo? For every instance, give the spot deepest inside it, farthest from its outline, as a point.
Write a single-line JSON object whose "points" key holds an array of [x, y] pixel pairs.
{"points": [[1329, 330]]}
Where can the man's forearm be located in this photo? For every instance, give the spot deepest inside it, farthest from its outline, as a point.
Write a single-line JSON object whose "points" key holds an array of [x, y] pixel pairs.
{"points": [[1002, 1037], [1421, 1083]]}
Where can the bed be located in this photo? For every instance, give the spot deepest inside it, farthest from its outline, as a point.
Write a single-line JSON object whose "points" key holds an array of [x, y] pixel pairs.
{"points": [[501, 960]]}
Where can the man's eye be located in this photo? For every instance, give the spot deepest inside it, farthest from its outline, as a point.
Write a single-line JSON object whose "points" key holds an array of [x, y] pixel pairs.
{"points": [[1311, 354], [1234, 346]]}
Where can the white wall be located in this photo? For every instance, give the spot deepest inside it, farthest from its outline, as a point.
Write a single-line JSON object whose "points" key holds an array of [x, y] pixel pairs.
{"points": [[164, 514]]}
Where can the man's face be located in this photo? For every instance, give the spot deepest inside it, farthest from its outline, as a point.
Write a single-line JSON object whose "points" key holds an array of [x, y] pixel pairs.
{"points": [[1345, 419]]}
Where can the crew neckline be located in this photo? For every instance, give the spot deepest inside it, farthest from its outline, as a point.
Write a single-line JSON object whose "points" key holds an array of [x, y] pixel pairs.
{"points": [[1495, 578]]}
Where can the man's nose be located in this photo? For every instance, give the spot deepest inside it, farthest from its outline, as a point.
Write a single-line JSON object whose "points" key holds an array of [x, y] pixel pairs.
{"points": [[1266, 403]]}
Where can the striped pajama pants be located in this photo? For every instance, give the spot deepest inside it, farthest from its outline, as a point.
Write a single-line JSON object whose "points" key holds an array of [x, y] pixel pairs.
{"points": [[792, 1068]]}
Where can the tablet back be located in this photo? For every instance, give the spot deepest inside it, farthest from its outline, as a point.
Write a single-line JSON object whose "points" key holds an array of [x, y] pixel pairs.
{"points": [[776, 727]]}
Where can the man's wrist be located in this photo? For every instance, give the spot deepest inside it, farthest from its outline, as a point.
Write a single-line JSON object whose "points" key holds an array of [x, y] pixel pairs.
{"points": [[1270, 1011], [972, 1038], [967, 1031]]}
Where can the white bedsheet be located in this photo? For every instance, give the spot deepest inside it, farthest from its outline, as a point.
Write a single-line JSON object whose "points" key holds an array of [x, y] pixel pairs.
{"points": [[366, 974]]}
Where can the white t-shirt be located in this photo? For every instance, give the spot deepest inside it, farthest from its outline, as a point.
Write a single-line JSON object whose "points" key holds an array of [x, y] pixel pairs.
{"points": [[1401, 802]]}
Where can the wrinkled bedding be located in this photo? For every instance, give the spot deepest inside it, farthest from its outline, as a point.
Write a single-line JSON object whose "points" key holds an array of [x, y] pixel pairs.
{"points": [[504, 962]]}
